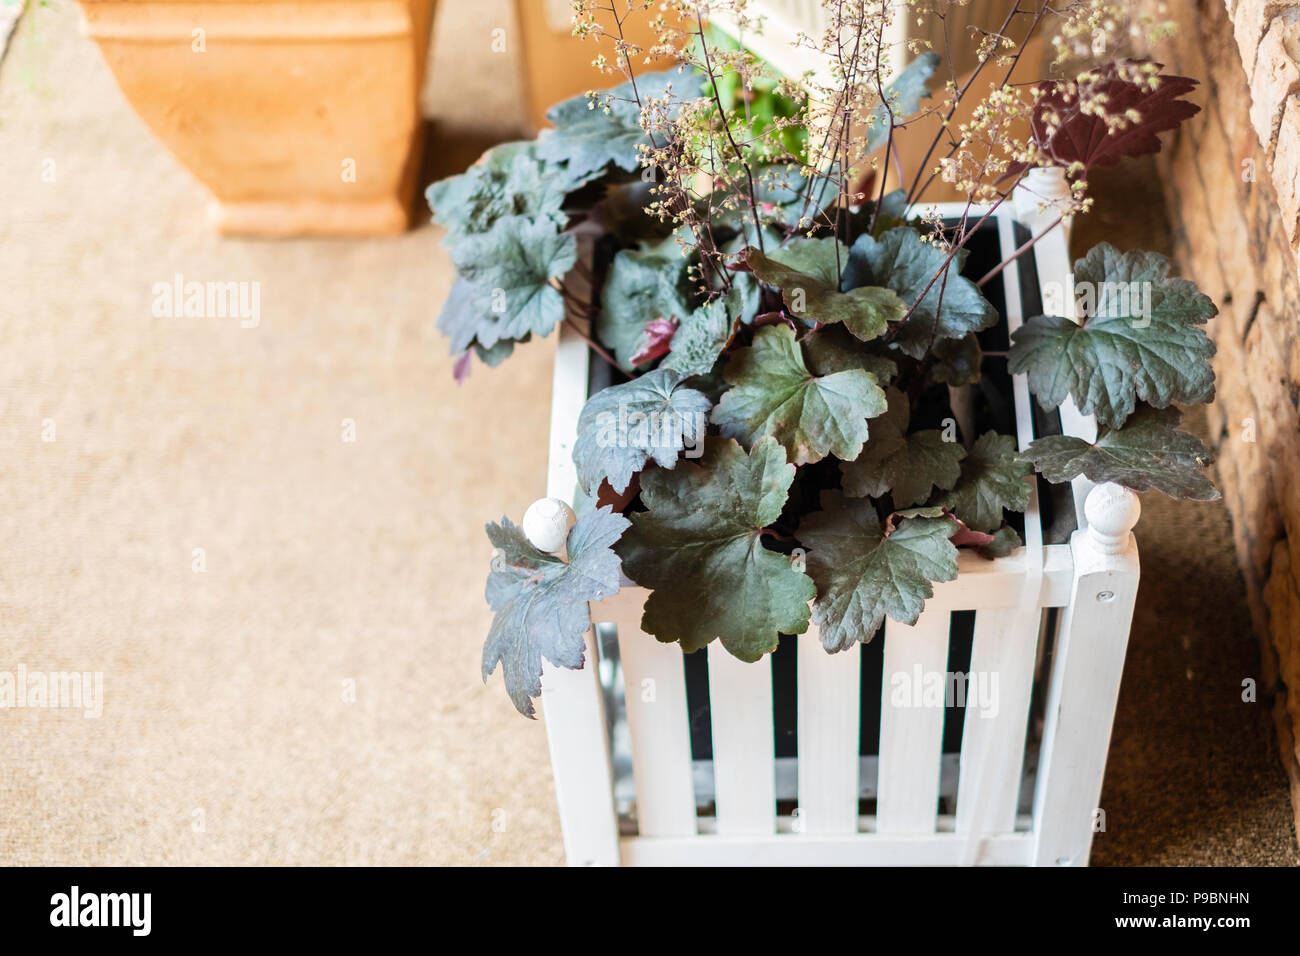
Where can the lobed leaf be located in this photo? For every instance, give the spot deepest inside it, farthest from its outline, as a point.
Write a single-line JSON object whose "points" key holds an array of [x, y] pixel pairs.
{"points": [[992, 479], [1072, 135], [510, 268], [1142, 341], [807, 274], [908, 466], [641, 287], [702, 337], [507, 180], [540, 602], [621, 428], [591, 136], [1148, 452], [773, 393], [903, 262], [699, 547], [902, 97], [863, 574], [832, 349], [958, 361]]}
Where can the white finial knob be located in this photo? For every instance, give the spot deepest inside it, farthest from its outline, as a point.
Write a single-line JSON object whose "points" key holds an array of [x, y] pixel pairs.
{"points": [[1112, 510], [1041, 196], [546, 524]]}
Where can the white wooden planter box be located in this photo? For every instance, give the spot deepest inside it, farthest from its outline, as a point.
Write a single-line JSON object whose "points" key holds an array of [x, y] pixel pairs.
{"points": [[1093, 582]]}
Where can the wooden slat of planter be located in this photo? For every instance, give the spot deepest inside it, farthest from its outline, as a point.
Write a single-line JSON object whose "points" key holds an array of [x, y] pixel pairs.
{"points": [[572, 700], [744, 747], [828, 720], [993, 738], [1004, 648], [1052, 258], [1086, 669], [911, 735], [654, 682], [579, 744], [859, 849], [983, 584]]}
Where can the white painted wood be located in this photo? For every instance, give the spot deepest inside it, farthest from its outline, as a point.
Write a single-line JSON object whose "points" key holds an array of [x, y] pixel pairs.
{"points": [[744, 744], [993, 735], [995, 584], [1086, 670], [572, 701], [787, 781], [1000, 583], [546, 525], [911, 732], [1056, 280], [1007, 595], [859, 849], [584, 786], [830, 693], [658, 722], [568, 395], [1005, 643]]}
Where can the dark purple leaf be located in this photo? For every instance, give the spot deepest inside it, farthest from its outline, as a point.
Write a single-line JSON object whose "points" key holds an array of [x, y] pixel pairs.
{"points": [[1086, 139]]}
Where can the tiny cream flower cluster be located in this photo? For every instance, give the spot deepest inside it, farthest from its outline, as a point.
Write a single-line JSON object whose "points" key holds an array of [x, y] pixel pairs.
{"points": [[709, 160]]}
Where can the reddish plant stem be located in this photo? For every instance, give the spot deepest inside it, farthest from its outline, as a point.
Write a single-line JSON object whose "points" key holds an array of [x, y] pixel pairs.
{"points": [[726, 127], [592, 342]]}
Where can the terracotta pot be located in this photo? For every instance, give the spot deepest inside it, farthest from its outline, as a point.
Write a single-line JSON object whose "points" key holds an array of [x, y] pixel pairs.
{"points": [[301, 118]]}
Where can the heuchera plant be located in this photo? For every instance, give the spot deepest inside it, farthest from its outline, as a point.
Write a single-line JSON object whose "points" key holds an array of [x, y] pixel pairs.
{"points": [[787, 332]]}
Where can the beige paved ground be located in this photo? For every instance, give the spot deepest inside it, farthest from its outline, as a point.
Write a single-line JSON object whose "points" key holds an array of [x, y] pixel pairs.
{"points": [[330, 562], [326, 561]]}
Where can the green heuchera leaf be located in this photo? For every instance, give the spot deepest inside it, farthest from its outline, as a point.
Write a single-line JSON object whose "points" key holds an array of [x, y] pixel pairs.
{"points": [[540, 602], [773, 393], [958, 361], [1148, 452], [701, 337], [589, 139], [508, 180], [992, 478], [510, 268], [903, 97], [699, 547], [651, 418], [863, 575], [909, 466], [459, 319], [1005, 541], [901, 260], [805, 272], [832, 349], [641, 286], [494, 356], [1141, 339]]}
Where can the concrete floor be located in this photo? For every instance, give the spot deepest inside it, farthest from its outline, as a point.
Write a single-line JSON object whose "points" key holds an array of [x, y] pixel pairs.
{"points": [[326, 561], [228, 733]]}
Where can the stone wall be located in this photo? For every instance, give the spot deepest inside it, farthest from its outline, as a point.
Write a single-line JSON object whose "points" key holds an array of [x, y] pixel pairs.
{"points": [[1231, 177]]}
